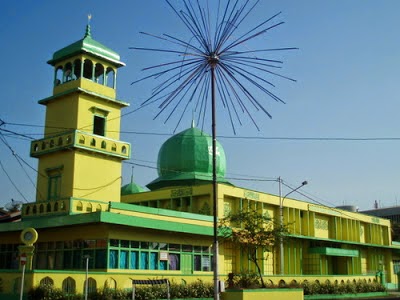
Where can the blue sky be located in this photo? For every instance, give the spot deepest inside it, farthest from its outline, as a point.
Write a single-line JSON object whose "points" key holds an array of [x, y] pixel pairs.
{"points": [[347, 71]]}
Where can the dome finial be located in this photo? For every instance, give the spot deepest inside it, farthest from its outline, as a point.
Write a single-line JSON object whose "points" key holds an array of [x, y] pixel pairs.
{"points": [[88, 33], [193, 123], [132, 174]]}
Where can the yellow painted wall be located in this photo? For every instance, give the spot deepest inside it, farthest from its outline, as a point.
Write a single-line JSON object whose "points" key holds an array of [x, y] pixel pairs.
{"points": [[86, 112], [321, 224], [61, 114], [261, 294], [77, 110], [84, 175], [51, 161], [96, 177]]}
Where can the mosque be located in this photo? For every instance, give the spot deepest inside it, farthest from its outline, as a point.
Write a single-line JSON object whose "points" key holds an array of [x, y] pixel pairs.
{"points": [[83, 220]]}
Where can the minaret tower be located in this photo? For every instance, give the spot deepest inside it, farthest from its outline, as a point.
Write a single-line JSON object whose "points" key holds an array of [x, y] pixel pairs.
{"points": [[80, 156]]}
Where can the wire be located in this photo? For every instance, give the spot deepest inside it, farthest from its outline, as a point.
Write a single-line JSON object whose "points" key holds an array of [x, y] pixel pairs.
{"points": [[12, 182], [281, 138], [19, 159]]}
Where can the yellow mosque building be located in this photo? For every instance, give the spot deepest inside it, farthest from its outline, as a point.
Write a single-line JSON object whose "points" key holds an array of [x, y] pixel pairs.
{"points": [[82, 215]]}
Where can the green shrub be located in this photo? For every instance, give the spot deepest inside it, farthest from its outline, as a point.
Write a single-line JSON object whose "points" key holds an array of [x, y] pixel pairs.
{"points": [[360, 286], [245, 280], [47, 292]]}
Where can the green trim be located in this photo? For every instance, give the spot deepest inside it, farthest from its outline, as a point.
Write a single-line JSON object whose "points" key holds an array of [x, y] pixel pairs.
{"points": [[152, 222], [160, 211], [79, 89], [333, 251], [343, 296], [74, 142], [148, 223], [340, 241]]}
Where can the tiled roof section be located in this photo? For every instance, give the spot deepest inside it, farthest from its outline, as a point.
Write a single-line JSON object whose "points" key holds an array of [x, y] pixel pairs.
{"points": [[87, 45]]}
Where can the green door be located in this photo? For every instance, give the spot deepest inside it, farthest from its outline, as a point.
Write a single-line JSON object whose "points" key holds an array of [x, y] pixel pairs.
{"points": [[186, 264]]}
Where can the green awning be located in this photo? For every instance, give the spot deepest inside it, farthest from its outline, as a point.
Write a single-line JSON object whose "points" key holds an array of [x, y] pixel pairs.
{"points": [[333, 251]]}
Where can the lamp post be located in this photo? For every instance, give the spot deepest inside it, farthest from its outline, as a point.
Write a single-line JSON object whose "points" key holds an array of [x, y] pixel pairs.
{"points": [[281, 199], [86, 257]]}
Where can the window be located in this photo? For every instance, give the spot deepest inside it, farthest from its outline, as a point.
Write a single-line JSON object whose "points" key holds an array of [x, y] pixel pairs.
{"points": [[68, 286], [92, 285], [54, 183], [99, 125]]}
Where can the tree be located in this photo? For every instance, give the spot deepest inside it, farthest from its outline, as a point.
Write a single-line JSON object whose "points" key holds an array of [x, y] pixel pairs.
{"points": [[255, 233]]}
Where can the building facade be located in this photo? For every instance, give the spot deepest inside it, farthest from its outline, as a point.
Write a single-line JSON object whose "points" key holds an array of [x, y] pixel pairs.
{"points": [[81, 215]]}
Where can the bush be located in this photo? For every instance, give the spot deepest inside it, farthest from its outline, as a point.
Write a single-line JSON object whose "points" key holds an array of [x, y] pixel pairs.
{"points": [[360, 286], [197, 289], [244, 280], [46, 291]]}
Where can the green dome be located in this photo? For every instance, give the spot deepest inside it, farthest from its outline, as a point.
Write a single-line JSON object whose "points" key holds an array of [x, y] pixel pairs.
{"points": [[186, 159], [87, 45], [131, 188]]}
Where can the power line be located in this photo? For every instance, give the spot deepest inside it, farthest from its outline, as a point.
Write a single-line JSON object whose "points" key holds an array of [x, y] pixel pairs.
{"points": [[12, 182], [19, 159]]}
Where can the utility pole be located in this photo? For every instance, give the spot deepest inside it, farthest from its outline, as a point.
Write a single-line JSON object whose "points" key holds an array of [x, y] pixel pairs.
{"points": [[281, 199]]}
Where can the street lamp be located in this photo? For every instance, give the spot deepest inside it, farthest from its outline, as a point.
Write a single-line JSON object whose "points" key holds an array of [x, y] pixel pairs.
{"points": [[86, 257], [281, 199]]}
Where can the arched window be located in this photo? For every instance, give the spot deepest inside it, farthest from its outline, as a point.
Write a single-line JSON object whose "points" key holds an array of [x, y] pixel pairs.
{"points": [[103, 145], [46, 281], [88, 69], [48, 209], [110, 77], [77, 69], [60, 141], [110, 284], [92, 285], [99, 73], [27, 210], [41, 208], [56, 206], [69, 286], [89, 207]]}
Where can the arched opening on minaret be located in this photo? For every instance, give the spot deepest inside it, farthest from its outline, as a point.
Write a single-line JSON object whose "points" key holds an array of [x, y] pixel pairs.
{"points": [[88, 69], [99, 73]]}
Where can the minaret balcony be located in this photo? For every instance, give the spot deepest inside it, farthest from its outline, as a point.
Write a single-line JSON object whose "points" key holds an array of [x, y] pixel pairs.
{"points": [[81, 140]]}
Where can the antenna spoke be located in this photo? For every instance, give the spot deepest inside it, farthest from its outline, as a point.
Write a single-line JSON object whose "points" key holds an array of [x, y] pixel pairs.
{"points": [[217, 44]]}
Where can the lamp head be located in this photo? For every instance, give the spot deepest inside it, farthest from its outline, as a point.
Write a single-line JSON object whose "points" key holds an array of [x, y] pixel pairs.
{"points": [[304, 182]]}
